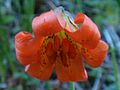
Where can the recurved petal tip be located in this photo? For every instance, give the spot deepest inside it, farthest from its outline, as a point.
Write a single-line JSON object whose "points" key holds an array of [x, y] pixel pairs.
{"points": [[26, 48], [22, 36], [79, 18], [95, 57], [87, 34], [46, 24]]}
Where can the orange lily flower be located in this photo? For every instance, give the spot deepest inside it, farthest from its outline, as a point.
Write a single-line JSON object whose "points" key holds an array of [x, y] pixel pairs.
{"points": [[59, 43]]}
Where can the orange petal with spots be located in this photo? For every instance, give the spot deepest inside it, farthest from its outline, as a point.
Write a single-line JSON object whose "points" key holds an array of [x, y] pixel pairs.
{"points": [[95, 57], [42, 70], [46, 24], [88, 34], [70, 69], [49, 49], [72, 52], [27, 48], [56, 43], [65, 45]]}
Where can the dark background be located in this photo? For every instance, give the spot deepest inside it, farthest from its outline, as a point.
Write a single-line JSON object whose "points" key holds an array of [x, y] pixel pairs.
{"points": [[16, 16]]}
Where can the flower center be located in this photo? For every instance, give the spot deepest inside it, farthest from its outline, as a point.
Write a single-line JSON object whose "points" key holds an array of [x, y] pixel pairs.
{"points": [[58, 46]]}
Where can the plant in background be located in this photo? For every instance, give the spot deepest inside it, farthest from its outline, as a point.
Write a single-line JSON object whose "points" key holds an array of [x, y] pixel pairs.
{"points": [[60, 43]]}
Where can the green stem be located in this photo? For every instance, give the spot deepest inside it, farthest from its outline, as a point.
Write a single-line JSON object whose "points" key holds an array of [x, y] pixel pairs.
{"points": [[115, 69], [47, 86], [72, 86]]}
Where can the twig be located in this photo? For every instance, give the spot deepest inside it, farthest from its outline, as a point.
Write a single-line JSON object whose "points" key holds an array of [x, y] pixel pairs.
{"points": [[97, 82], [51, 4]]}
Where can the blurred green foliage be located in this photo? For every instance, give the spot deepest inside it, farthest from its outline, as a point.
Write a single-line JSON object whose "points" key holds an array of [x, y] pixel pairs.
{"points": [[16, 16]]}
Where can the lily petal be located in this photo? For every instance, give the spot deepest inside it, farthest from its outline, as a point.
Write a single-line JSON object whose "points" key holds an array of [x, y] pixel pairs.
{"points": [[95, 57], [70, 68], [27, 48], [88, 34], [46, 24], [42, 70]]}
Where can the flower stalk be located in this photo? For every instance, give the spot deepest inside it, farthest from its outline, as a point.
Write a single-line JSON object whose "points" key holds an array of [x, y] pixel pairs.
{"points": [[115, 68], [72, 86]]}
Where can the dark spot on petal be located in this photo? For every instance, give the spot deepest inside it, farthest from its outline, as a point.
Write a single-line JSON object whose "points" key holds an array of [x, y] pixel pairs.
{"points": [[82, 40]]}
